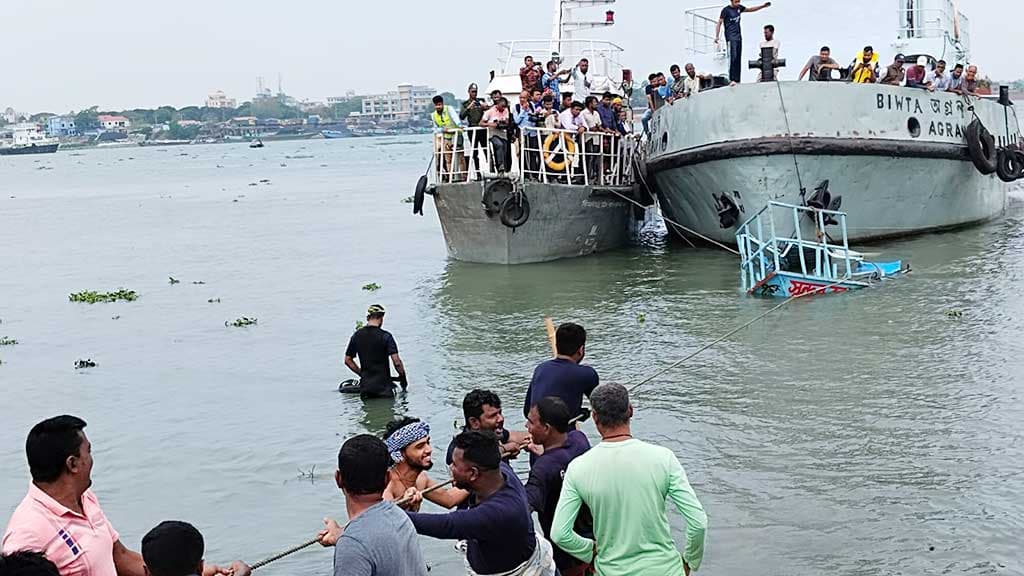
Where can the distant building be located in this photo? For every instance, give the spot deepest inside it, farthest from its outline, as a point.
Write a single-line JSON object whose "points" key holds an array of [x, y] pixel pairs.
{"points": [[219, 100], [188, 123], [310, 105], [59, 126], [114, 123], [10, 116], [407, 103], [335, 100]]}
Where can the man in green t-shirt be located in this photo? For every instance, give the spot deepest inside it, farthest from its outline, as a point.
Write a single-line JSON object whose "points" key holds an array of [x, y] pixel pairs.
{"points": [[625, 483]]}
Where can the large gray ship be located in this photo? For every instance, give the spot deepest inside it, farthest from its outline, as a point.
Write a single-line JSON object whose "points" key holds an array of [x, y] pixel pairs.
{"points": [[562, 194], [897, 160]]}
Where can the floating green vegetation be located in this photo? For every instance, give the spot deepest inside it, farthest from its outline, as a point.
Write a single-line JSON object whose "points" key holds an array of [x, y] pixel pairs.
{"points": [[241, 322], [955, 313], [92, 297], [5, 341], [641, 317], [198, 283], [173, 280], [408, 200], [84, 364], [359, 324], [214, 300], [372, 287]]}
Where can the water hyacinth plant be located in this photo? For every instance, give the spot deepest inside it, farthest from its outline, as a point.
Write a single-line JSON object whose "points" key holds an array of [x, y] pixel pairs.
{"points": [[241, 322], [92, 297]]}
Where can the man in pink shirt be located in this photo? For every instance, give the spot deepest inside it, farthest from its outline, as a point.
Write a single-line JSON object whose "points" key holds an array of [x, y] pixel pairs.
{"points": [[60, 516]]}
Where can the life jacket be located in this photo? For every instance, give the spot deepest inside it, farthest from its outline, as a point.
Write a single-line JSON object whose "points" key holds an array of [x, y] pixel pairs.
{"points": [[444, 121], [866, 74]]}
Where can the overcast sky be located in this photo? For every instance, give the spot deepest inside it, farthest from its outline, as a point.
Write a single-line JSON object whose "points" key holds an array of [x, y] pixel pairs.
{"points": [[70, 54]]}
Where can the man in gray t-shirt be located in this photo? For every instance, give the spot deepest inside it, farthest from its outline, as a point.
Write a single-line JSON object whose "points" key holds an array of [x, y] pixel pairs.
{"points": [[820, 66], [379, 539]]}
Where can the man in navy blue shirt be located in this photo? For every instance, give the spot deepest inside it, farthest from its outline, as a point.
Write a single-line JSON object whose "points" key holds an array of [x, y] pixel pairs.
{"points": [[498, 529], [563, 376], [548, 424], [730, 17]]}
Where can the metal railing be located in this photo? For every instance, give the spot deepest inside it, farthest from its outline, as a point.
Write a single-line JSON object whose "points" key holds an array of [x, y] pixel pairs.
{"points": [[700, 31], [917, 21], [762, 252], [548, 155]]}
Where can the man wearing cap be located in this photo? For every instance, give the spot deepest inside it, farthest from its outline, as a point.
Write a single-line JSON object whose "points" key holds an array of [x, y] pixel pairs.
{"points": [[894, 73], [471, 114], [408, 442], [916, 74], [374, 345]]}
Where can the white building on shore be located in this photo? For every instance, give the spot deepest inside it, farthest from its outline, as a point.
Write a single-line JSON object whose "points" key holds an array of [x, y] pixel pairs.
{"points": [[406, 103], [219, 100]]}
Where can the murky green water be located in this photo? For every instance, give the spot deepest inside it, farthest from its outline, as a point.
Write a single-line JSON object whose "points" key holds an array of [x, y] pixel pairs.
{"points": [[864, 433]]}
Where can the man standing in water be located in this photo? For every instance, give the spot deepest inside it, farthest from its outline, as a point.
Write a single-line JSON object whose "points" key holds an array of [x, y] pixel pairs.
{"points": [[624, 482], [548, 425], [378, 539], [60, 516], [564, 376], [730, 17], [374, 346], [408, 440]]}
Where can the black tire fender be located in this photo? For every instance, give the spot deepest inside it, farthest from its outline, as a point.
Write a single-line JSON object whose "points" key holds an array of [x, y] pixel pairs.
{"points": [[1008, 165], [515, 210], [982, 147], [417, 199]]}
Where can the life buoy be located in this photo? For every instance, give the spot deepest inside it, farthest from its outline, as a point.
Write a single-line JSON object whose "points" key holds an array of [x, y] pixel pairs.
{"points": [[417, 199], [1009, 166], [549, 151], [982, 147], [515, 210]]}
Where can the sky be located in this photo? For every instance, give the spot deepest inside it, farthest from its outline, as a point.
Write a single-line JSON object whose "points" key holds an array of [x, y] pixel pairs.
{"points": [[64, 55]]}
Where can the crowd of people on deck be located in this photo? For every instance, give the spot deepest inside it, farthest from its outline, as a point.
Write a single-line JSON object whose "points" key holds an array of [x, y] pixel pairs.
{"points": [[601, 509], [864, 68], [543, 105]]}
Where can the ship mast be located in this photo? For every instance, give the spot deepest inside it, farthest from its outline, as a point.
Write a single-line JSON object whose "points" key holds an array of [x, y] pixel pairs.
{"points": [[564, 26]]}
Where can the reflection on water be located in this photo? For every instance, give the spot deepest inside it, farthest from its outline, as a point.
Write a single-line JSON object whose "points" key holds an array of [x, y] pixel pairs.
{"points": [[836, 434]]}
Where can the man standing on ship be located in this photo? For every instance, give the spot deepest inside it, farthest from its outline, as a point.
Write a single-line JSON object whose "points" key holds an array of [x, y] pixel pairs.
{"points": [[471, 114], [374, 346], [730, 17]]}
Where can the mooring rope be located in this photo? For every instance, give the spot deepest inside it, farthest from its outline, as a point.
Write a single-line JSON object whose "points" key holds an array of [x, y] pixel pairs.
{"points": [[789, 137], [287, 552], [672, 222]]}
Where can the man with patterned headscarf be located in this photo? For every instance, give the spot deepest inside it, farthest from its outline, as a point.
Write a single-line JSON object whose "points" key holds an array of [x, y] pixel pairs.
{"points": [[408, 440]]}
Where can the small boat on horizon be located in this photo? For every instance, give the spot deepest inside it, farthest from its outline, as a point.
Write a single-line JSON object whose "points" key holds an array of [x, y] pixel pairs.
{"points": [[257, 143], [332, 134]]}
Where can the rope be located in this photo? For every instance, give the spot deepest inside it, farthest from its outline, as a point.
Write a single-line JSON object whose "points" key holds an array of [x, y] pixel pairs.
{"points": [[674, 365], [674, 223], [789, 137], [287, 552]]}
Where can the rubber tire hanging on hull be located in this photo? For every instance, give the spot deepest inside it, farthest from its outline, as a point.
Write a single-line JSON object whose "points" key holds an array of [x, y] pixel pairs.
{"points": [[1010, 165], [514, 214], [417, 199], [982, 147]]}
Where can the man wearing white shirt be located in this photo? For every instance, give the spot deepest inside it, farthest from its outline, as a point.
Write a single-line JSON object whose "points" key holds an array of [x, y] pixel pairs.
{"points": [[770, 41], [937, 80], [592, 141], [581, 80]]}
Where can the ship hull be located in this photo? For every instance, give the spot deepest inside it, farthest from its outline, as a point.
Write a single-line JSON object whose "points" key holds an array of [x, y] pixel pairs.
{"points": [[34, 149], [896, 156], [565, 222]]}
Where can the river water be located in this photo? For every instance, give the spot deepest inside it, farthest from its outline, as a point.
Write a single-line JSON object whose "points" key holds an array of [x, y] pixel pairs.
{"points": [[874, 432]]}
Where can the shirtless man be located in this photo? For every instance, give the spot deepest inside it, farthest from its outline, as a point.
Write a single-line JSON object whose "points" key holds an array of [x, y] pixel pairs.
{"points": [[408, 440]]}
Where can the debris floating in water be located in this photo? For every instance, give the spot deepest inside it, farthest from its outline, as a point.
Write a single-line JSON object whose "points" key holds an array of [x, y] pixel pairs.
{"points": [[5, 341], [84, 364], [92, 297], [371, 287], [359, 324], [198, 283], [213, 300], [641, 317], [954, 313], [408, 200], [241, 322], [173, 280]]}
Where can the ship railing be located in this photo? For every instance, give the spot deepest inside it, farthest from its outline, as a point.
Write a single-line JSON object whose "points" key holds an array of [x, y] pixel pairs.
{"points": [[700, 31], [916, 21], [554, 155], [548, 155], [763, 251], [602, 56]]}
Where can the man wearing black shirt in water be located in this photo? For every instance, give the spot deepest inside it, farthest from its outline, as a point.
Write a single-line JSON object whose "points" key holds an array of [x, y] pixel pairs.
{"points": [[374, 346]]}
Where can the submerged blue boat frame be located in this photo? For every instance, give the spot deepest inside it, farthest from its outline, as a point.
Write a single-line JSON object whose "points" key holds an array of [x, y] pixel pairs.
{"points": [[769, 266]]}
